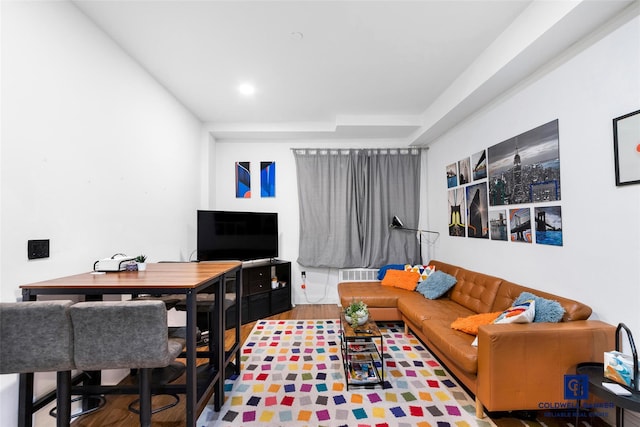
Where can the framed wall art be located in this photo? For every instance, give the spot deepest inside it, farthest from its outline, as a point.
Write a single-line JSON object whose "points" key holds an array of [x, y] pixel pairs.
{"points": [[452, 175], [464, 171], [268, 179], [520, 225], [477, 219], [457, 219], [548, 222], [243, 180], [498, 224], [626, 148], [526, 168], [479, 164]]}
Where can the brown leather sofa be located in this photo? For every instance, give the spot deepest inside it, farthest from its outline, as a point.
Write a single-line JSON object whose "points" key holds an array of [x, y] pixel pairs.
{"points": [[514, 366]]}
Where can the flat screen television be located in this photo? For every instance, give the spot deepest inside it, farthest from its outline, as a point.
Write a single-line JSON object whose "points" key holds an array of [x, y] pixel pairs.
{"points": [[242, 236]]}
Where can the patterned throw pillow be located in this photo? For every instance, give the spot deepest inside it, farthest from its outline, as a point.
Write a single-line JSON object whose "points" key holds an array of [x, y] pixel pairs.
{"points": [[423, 270], [523, 312]]}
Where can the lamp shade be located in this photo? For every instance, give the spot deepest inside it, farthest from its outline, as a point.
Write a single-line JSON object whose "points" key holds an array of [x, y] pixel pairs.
{"points": [[396, 223]]}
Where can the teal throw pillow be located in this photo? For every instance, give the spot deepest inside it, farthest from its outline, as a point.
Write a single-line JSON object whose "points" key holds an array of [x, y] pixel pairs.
{"points": [[546, 310], [436, 285]]}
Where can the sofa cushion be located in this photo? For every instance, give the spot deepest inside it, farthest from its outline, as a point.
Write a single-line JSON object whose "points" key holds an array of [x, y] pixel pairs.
{"points": [[436, 285], [371, 293], [415, 309], [546, 310], [455, 344], [401, 279], [476, 291]]}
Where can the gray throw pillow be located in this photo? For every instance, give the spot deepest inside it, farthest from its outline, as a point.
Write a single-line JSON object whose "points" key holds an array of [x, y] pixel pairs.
{"points": [[436, 285]]}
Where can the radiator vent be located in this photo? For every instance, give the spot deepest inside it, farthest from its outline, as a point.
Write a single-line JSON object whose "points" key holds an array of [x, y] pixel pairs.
{"points": [[358, 275]]}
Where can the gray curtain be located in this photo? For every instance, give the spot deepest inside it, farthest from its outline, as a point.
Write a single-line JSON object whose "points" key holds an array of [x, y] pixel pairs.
{"points": [[347, 199]]}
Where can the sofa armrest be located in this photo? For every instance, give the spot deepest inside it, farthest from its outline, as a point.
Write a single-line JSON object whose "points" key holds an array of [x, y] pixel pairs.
{"points": [[522, 366]]}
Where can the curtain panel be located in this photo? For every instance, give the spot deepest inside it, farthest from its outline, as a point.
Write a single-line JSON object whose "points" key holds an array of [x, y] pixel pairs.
{"points": [[347, 199]]}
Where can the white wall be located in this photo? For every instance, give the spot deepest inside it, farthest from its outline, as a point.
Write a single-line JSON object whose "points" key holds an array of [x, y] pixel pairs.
{"points": [[321, 282], [599, 261], [96, 156]]}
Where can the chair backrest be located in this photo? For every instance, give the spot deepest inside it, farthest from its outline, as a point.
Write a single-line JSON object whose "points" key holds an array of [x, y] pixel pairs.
{"points": [[35, 336], [120, 334]]}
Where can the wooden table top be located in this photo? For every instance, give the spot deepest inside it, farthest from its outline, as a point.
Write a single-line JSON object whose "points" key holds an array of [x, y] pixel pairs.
{"points": [[170, 274]]}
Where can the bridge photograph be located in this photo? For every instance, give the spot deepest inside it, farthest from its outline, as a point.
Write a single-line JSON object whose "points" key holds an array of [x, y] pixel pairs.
{"points": [[548, 221], [520, 225]]}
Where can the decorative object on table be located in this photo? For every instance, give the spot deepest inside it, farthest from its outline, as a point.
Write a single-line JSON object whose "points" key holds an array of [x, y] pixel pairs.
{"points": [[626, 148], [117, 262], [274, 283], [356, 313], [141, 260], [622, 368]]}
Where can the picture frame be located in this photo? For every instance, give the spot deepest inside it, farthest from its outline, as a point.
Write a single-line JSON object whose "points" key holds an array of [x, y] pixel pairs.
{"points": [[626, 148], [526, 167]]}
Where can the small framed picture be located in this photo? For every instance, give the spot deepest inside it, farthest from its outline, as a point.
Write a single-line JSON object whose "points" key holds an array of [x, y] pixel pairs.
{"points": [[626, 148]]}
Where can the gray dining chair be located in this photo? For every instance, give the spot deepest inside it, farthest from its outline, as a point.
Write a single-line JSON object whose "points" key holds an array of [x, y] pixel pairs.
{"points": [[36, 336], [124, 334]]}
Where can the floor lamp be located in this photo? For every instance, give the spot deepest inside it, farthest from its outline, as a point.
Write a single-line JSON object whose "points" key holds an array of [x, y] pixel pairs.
{"points": [[398, 225]]}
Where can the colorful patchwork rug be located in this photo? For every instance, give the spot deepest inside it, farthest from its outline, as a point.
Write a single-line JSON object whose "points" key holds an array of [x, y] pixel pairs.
{"points": [[292, 375]]}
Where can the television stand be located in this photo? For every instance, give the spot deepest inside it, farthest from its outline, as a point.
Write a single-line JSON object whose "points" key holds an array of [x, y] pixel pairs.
{"points": [[259, 298], [251, 263]]}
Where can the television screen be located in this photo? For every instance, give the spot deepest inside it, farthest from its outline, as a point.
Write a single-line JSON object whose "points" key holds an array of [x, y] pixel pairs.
{"points": [[243, 236]]}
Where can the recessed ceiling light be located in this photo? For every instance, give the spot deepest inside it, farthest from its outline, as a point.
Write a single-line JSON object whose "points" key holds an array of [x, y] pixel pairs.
{"points": [[297, 35], [246, 89]]}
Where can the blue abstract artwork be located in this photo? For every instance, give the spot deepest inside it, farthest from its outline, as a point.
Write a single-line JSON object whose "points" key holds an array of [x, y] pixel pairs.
{"points": [[268, 179]]}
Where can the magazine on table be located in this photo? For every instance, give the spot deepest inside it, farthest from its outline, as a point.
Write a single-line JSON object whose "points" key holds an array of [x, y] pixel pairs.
{"points": [[362, 372], [358, 347]]}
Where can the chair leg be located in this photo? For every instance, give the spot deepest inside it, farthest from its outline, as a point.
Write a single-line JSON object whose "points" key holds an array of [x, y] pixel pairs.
{"points": [[144, 378], [63, 417]]}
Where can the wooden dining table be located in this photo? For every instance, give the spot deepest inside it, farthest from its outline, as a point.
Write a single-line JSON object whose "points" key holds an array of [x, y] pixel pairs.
{"points": [[172, 278]]}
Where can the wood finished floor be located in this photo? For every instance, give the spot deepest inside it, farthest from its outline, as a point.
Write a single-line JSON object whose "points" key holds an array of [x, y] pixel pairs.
{"points": [[116, 413]]}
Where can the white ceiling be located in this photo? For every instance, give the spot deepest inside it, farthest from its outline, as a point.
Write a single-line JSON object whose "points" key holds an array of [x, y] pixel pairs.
{"points": [[343, 69]]}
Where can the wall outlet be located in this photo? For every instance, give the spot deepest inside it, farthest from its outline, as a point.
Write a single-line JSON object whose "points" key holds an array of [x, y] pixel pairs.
{"points": [[38, 249]]}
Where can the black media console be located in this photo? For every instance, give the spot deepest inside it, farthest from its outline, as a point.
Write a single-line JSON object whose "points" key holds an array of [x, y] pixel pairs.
{"points": [[261, 298]]}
